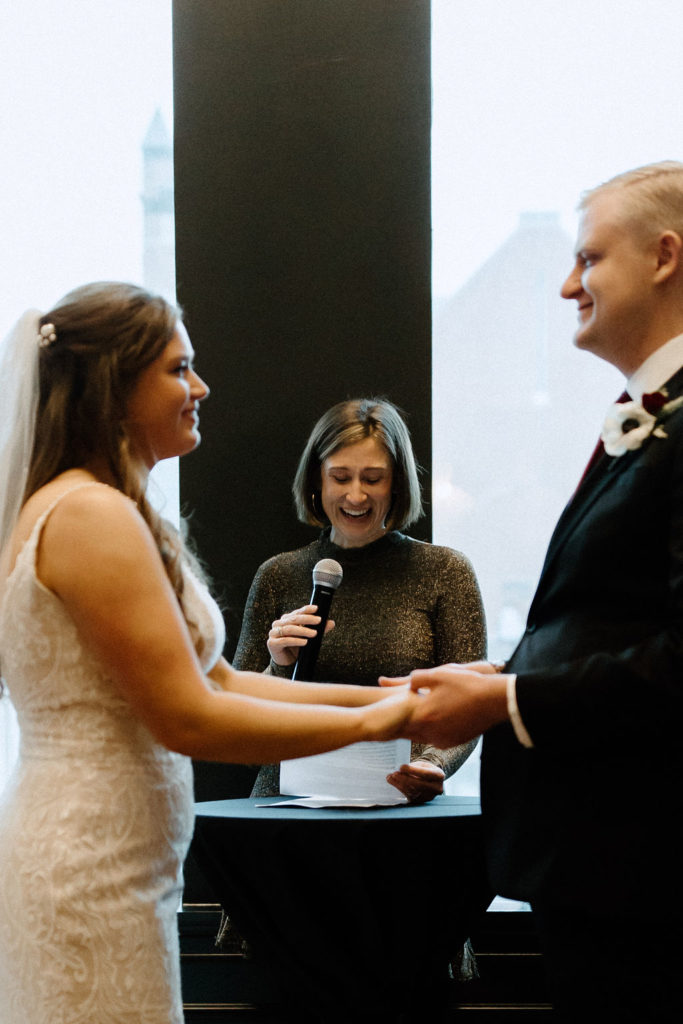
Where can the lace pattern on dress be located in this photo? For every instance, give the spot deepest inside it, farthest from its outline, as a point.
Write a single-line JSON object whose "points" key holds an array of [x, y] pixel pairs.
{"points": [[94, 826]]}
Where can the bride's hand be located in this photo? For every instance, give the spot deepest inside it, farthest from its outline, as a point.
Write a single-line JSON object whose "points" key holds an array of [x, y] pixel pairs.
{"points": [[389, 718], [292, 631]]}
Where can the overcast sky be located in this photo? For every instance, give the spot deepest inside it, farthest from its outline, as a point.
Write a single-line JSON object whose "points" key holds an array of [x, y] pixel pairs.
{"points": [[536, 100], [79, 83]]}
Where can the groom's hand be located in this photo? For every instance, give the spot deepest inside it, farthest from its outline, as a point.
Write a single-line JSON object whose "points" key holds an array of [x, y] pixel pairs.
{"points": [[457, 703]]}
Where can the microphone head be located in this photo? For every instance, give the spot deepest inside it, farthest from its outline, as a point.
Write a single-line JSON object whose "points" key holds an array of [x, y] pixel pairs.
{"points": [[328, 573]]}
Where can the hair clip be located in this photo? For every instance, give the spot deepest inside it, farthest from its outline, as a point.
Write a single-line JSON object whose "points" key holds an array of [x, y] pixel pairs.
{"points": [[46, 335]]}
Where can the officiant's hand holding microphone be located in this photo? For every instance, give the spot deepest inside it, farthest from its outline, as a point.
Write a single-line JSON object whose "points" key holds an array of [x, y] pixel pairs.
{"points": [[292, 631], [307, 625]]}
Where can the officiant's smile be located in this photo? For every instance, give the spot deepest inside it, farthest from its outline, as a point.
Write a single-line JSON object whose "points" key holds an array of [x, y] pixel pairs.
{"points": [[356, 483]]}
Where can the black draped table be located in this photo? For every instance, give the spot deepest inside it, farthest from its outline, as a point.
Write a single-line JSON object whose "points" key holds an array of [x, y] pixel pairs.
{"points": [[354, 914]]}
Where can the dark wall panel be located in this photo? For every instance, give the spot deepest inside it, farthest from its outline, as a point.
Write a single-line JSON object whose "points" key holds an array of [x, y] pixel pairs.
{"points": [[302, 136]]}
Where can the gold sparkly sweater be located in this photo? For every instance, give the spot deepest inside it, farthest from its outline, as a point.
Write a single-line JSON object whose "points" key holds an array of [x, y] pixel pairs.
{"points": [[402, 604]]}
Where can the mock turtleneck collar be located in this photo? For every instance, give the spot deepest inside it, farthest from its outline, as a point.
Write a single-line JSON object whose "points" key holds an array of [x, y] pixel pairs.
{"points": [[376, 549]]}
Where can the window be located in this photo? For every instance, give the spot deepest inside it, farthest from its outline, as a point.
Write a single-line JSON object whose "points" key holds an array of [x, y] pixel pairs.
{"points": [[532, 104], [87, 167]]}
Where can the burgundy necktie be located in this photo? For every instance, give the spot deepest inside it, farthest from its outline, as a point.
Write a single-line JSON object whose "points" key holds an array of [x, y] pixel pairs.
{"points": [[599, 448]]}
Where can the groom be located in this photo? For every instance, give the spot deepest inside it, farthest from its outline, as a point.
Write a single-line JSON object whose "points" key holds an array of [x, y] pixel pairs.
{"points": [[582, 768]]}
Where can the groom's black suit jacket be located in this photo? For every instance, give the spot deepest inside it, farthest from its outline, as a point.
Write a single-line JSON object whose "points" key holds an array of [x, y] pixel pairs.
{"points": [[593, 814]]}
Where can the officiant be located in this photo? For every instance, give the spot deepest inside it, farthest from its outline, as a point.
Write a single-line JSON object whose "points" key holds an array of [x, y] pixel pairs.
{"points": [[402, 603]]}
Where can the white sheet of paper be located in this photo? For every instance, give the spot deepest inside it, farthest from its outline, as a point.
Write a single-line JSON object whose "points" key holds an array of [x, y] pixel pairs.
{"points": [[354, 773]]}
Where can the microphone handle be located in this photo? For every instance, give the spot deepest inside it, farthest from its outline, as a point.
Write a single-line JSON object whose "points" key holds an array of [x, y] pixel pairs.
{"points": [[308, 655]]}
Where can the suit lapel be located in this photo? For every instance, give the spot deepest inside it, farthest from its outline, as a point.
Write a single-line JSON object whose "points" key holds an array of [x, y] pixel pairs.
{"points": [[601, 476]]}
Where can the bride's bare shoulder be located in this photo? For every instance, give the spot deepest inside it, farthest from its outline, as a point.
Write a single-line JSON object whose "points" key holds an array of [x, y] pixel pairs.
{"points": [[90, 530], [74, 491], [74, 507], [76, 502]]}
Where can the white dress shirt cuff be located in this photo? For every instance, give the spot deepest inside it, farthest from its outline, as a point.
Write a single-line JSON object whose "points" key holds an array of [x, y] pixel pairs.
{"points": [[514, 715]]}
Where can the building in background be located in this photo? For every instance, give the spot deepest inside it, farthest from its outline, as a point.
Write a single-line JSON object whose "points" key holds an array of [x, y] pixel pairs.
{"points": [[512, 424], [158, 210]]}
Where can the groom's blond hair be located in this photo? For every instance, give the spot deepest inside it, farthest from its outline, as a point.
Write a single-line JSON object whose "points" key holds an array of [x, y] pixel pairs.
{"points": [[652, 197]]}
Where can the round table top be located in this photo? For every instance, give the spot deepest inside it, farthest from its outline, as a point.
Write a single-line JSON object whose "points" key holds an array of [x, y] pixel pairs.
{"points": [[272, 809]]}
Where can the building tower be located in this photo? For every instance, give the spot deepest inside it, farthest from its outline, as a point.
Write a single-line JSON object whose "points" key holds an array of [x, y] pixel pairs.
{"points": [[157, 202]]}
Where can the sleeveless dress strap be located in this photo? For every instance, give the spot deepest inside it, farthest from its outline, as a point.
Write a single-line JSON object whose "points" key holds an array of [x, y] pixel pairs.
{"points": [[44, 515], [30, 544], [39, 524]]}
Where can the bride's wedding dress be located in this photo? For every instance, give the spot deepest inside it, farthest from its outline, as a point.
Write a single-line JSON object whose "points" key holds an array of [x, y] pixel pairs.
{"points": [[94, 825]]}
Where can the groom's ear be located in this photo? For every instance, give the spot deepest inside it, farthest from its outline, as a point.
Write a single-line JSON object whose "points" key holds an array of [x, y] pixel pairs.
{"points": [[669, 253]]}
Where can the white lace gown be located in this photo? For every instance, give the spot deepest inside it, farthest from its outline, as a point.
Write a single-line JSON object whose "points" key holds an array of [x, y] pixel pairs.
{"points": [[94, 826]]}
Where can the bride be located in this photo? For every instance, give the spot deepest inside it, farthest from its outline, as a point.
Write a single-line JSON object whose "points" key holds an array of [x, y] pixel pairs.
{"points": [[110, 645]]}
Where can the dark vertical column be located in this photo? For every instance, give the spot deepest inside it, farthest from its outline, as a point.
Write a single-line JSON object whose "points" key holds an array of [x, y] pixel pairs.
{"points": [[302, 161], [302, 164]]}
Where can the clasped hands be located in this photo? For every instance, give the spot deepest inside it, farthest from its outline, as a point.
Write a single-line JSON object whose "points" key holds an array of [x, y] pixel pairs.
{"points": [[458, 702]]}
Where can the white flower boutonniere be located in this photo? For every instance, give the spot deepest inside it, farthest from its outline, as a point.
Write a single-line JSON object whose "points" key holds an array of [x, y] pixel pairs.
{"points": [[628, 424]]}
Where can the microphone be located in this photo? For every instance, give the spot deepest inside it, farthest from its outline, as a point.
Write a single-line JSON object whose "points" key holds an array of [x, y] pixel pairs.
{"points": [[327, 575]]}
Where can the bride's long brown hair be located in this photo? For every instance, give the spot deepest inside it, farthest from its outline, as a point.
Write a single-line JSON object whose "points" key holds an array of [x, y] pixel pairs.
{"points": [[106, 334]]}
